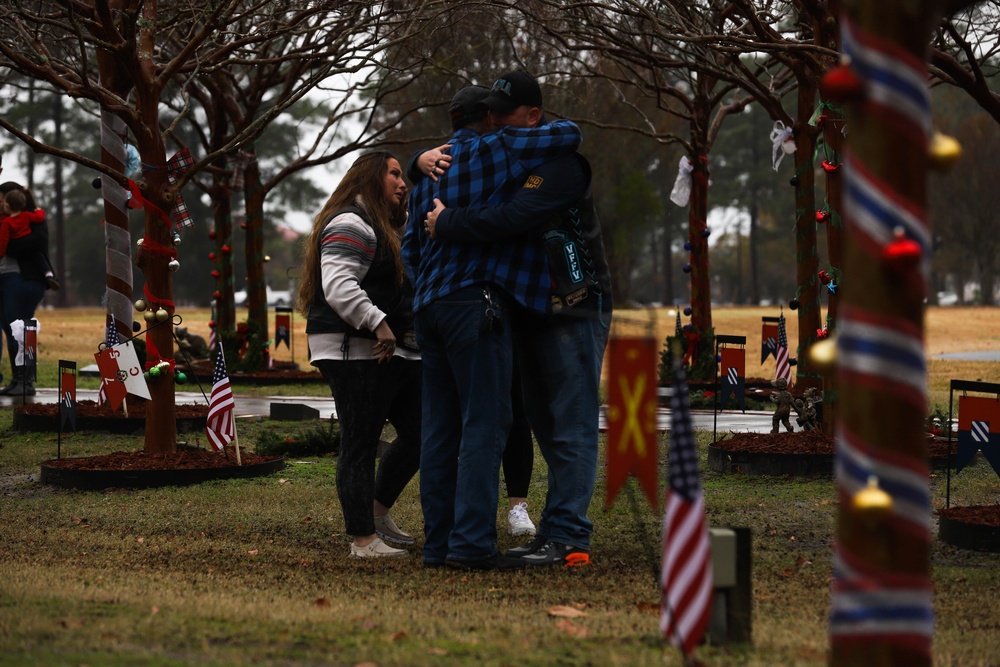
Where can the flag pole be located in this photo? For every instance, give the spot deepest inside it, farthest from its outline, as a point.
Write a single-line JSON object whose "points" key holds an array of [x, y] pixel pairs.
{"points": [[236, 442], [59, 436]]}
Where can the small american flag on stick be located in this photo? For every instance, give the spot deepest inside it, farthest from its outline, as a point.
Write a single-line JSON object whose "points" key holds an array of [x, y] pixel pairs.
{"points": [[783, 369], [110, 340], [220, 426], [686, 574]]}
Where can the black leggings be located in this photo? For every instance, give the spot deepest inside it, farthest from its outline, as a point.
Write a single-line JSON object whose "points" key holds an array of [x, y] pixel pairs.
{"points": [[366, 394], [519, 454]]}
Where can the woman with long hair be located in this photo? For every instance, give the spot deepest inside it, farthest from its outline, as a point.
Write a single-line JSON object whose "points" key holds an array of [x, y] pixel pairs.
{"points": [[358, 304]]}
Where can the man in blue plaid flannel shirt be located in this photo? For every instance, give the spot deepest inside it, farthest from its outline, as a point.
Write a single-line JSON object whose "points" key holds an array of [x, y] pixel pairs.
{"points": [[462, 304], [560, 353]]}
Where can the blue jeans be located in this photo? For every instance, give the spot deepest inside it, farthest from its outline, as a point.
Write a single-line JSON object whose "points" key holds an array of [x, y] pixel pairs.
{"points": [[561, 372], [19, 301], [466, 416]]}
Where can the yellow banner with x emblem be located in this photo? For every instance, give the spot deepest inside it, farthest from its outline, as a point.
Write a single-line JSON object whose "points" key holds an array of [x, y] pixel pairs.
{"points": [[631, 415]]}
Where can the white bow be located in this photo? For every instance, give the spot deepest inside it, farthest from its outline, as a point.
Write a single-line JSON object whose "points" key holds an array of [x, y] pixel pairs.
{"points": [[782, 143], [681, 193]]}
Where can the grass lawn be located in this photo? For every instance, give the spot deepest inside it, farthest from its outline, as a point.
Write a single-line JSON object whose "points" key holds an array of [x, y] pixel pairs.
{"points": [[256, 571]]}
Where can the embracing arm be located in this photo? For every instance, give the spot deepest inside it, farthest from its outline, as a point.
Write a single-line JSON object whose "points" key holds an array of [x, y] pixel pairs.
{"points": [[550, 189]]}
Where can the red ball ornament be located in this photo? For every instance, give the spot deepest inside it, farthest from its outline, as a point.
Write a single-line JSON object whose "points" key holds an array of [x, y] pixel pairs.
{"points": [[211, 324], [829, 166], [225, 248], [821, 333], [824, 277], [842, 84], [243, 225], [216, 274], [212, 256], [216, 294], [902, 253], [211, 235], [822, 216]]}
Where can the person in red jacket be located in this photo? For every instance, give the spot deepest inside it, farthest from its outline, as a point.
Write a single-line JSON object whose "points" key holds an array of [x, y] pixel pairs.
{"points": [[15, 223]]}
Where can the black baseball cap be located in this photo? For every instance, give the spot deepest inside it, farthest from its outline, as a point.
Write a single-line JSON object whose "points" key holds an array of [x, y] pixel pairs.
{"points": [[467, 106], [512, 90]]}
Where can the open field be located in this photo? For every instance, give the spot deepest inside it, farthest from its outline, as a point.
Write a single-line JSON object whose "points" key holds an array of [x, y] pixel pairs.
{"points": [[256, 571], [74, 335]]}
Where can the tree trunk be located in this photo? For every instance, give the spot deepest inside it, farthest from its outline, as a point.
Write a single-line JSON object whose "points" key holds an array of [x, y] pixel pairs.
{"points": [[158, 247], [118, 239], [806, 256], [753, 241], [881, 432], [60, 194], [256, 284], [222, 296], [669, 293]]}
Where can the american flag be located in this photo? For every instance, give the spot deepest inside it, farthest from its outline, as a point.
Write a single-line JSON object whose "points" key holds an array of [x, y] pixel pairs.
{"points": [[110, 340], [783, 368], [219, 426], [686, 574]]}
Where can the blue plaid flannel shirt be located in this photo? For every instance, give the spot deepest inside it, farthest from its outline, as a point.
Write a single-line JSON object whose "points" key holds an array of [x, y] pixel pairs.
{"points": [[485, 169]]}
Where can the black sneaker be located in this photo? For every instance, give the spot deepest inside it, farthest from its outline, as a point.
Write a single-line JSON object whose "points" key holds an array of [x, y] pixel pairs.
{"points": [[494, 562], [529, 548], [557, 553]]}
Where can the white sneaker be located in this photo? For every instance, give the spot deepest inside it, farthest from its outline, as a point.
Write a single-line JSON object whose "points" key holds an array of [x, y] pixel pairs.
{"points": [[376, 549], [518, 521], [387, 529]]}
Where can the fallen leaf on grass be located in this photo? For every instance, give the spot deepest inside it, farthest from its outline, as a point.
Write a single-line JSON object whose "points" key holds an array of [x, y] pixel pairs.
{"points": [[648, 607], [321, 602], [153, 611], [252, 552], [569, 628], [396, 636], [77, 623], [566, 612], [141, 540]]}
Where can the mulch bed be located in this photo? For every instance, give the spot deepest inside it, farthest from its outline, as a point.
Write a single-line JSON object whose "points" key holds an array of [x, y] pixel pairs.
{"points": [[981, 515], [802, 442], [136, 409], [283, 372], [975, 527], [185, 458], [799, 442]]}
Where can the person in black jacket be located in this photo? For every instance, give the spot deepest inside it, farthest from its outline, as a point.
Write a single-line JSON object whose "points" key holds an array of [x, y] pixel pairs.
{"points": [[358, 304]]}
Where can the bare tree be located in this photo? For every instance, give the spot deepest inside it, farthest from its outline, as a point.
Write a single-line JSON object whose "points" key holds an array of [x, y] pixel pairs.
{"points": [[110, 53]]}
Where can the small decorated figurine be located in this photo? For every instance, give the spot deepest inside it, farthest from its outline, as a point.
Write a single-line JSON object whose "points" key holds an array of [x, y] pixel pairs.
{"points": [[784, 400], [805, 407]]}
